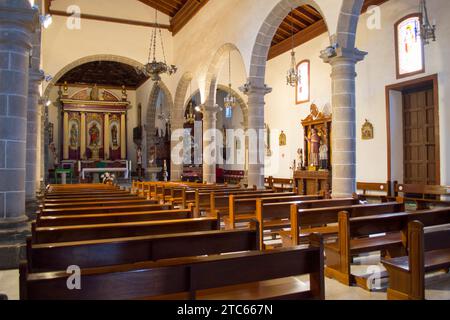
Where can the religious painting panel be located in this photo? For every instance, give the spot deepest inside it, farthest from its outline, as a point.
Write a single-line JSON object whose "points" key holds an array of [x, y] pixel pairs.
{"points": [[74, 135], [95, 135], [114, 137], [302, 89]]}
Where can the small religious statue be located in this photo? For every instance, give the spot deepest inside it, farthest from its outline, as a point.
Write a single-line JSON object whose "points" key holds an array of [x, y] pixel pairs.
{"points": [[124, 93], [65, 92], [114, 136], [95, 93], [94, 135], [283, 139], [300, 160], [139, 162], [53, 158], [323, 155], [165, 172], [314, 113], [74, 136], [314, 141]]}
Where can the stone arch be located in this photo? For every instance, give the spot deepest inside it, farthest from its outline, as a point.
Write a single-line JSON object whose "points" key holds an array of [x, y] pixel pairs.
{"points": [[265, 35], [348, 23], [150, 117], [79, 62], [214, 69], [177, 121]]}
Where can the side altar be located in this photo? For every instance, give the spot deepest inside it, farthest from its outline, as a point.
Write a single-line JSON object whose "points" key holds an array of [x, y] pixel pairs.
{"points": [[313, 173]]}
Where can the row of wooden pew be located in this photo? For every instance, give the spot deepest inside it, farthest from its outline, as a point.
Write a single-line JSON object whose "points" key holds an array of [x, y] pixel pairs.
{"points": [[155, 251], [152, 224]]}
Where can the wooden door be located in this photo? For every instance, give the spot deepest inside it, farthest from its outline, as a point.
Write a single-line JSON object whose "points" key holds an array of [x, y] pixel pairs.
{"points": [[420, 134]]}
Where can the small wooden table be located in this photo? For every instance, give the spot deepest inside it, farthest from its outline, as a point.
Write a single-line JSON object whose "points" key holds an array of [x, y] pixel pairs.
{"points": [[312, 182]]}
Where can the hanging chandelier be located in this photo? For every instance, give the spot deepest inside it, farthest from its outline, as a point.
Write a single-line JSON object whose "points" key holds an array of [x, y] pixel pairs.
{"points": [[230, 100], [154, 68], [427, 30], [292, 75]]}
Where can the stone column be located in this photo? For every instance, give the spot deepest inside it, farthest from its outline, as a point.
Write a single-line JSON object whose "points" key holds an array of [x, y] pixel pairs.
{"points": [[123, 136], [343, 134], [35, 78], [106, 138], [209, 143], [83, 135], [176, 164], [255, 133], [17, 22]]}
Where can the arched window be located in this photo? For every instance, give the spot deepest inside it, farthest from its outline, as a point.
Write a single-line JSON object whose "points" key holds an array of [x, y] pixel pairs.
{"points": [[409, 46]]}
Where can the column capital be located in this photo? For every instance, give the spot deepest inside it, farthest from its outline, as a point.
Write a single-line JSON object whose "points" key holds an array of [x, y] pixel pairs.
{"points": [[248, 88], [333, 54], [210, 109], [36, 76], [18, 13]]}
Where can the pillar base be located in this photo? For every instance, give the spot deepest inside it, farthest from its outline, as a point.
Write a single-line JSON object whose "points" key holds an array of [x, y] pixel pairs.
{"points": [[13, 234]]}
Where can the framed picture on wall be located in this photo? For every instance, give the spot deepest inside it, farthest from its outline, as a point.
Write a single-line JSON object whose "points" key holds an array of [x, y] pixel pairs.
{"points": [[302, 89]]}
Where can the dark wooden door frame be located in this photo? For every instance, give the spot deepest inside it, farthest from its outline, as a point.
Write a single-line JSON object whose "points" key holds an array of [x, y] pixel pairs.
{"points": [[403, 86]]}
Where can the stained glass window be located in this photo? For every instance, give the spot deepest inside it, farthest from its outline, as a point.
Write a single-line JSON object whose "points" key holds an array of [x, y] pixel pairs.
{"points": [[409, 47]]}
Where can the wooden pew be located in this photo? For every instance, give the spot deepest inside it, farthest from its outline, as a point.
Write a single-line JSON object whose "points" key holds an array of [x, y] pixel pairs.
{"points": [[423, 195], [84, 199], [218, 203], [374, 191], [97, 203], [120, 230], [98, 253], [87, 194], [105, 209], [354, 239], [307, 219], [103, 218], [192, 277], [244, 209], [429, 251], [275, 215]]}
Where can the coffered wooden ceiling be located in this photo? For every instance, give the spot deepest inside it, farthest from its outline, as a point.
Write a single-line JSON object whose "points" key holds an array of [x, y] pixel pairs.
{"points": [[106, 74], [307, 23]]}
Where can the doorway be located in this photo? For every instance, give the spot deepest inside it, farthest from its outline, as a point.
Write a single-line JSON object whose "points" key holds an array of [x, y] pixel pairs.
{"points": [[413, 132]]}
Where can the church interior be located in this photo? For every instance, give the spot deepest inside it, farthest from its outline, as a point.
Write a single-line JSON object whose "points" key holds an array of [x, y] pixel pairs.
{"points": [[225, 149]]}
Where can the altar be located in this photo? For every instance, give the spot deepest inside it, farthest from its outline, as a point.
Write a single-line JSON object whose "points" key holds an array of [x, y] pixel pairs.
{"points": [[100, 167], [93, 125], [313, 175]]}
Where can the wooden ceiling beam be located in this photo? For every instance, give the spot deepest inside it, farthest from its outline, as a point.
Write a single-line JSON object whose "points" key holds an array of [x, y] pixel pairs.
{"points": [[303, 15], [300, 38], [110, 19], [159, 5], [187, 12]]}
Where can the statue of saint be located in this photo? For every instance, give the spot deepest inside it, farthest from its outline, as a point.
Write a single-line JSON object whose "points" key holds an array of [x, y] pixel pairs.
{"points": [[114, 136], [94, 135], [74, 136], [314, 141], [95, 93], [323, 155]]}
